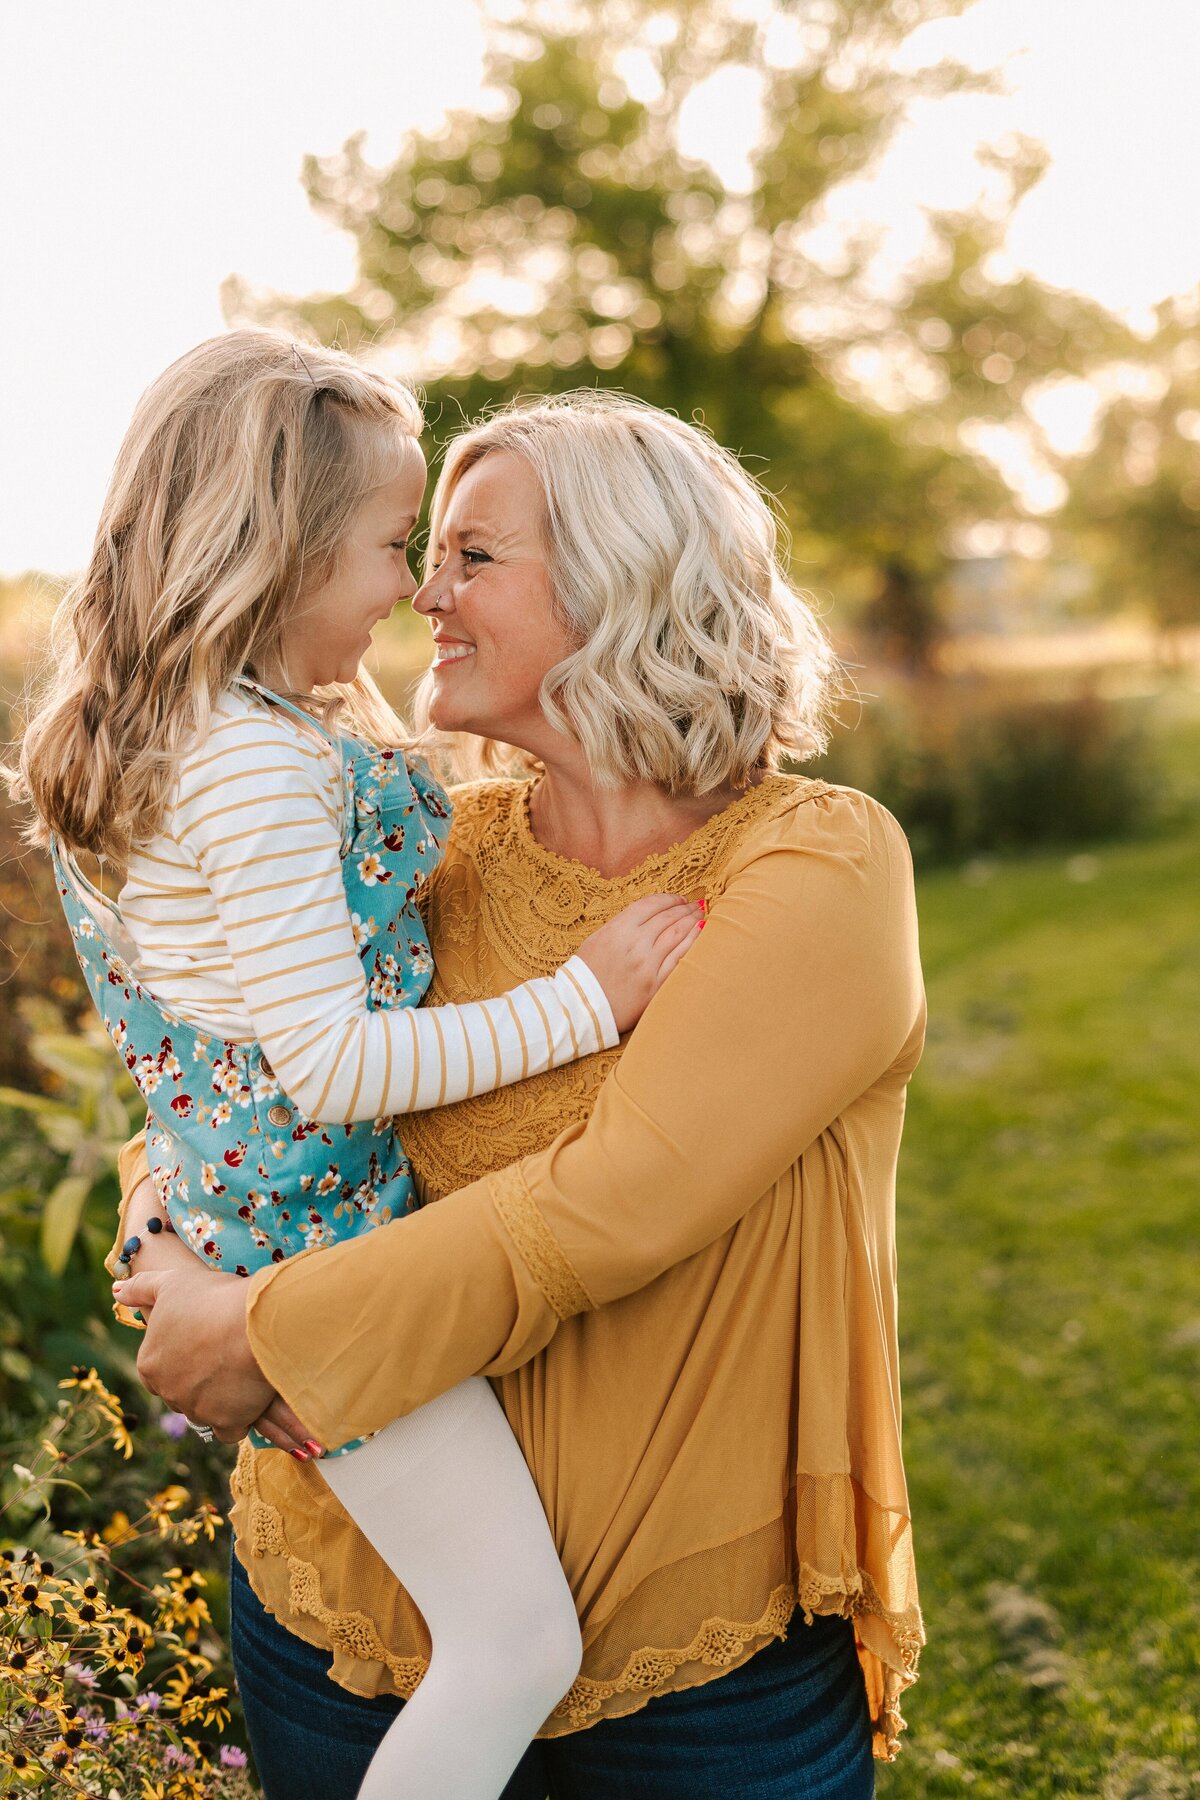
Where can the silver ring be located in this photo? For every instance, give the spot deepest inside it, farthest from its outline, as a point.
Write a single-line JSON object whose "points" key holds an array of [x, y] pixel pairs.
{"points": [[205, 1433]]}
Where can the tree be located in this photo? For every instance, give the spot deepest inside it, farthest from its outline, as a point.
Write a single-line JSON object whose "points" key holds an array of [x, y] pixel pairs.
{"points": [[564, 239], [1135, 497]]}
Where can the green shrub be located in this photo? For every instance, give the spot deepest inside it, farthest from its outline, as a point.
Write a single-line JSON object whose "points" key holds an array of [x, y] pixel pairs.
{"points": [[58, 1206], [968, 767]]}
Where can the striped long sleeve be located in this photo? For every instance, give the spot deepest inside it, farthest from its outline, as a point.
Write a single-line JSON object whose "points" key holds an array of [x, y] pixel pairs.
{"points": [[240, 920]]}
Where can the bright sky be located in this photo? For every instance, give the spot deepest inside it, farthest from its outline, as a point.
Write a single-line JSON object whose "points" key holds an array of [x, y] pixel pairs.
{"points": [[149, 150]]}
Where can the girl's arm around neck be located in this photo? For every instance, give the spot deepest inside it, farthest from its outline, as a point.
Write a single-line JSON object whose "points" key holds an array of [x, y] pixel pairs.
{"points": [[259, 824]]}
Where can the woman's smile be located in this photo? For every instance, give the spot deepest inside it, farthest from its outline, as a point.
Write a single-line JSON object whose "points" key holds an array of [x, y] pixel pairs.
{"points": [[450, 650]]}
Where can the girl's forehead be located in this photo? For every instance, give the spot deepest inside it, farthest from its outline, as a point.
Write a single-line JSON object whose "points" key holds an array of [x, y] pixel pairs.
{"points": [[410, 464], [403, 485]]}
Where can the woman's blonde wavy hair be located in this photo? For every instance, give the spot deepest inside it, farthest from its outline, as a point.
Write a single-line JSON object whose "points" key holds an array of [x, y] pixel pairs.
{"points": [[698, 662], [232, 494]]}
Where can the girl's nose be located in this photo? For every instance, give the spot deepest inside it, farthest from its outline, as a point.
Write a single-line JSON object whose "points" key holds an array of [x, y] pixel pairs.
{"points": [[408, 585]]}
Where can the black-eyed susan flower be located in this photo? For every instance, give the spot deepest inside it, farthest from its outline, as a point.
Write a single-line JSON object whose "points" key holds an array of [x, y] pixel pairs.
{"points": [[181, 1604], [163, 1505], [119, 1529], [64, 1644]]}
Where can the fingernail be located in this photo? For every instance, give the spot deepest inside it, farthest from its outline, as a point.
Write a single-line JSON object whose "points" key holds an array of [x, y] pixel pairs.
{"points": [[300, 1455], [117, 1286], [313, 1448]]}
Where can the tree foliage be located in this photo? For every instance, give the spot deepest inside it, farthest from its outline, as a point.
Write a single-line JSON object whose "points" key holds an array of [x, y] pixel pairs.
{"points": [[1135, 497], [563, 239]]}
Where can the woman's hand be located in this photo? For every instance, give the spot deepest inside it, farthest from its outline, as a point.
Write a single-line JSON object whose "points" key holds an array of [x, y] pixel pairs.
{"points": [[634, 953], [196, 1355]]}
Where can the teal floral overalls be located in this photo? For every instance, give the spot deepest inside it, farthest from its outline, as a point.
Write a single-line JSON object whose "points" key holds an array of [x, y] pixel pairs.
{"points": [[245, 1178]]}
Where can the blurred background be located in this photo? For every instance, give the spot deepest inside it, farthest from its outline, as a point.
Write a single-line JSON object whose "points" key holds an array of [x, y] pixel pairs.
{"points": [[930, 268]]}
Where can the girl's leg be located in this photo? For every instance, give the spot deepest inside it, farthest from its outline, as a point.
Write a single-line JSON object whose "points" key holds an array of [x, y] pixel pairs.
{"points": [[790, 1724], [446, 1499], [311, 1739]]}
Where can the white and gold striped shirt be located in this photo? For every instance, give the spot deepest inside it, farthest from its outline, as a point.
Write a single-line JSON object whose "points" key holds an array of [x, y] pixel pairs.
{"points": [[239, 920]]}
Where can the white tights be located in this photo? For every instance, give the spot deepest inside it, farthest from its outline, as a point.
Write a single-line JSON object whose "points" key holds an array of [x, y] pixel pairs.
{"points": [[445, 1497]]}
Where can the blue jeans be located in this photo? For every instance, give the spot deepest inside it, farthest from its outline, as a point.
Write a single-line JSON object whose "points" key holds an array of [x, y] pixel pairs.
{"points": [[790, 1724]]}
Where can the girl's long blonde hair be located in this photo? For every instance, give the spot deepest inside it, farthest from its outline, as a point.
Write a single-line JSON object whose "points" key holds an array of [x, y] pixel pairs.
{"points": [[232, 494]]}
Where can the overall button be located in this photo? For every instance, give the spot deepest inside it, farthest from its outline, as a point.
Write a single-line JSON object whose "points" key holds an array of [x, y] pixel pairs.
{"points": [[279, 1115], [266, 1068]]}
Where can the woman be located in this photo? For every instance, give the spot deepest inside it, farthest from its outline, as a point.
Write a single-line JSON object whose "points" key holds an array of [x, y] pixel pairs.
{"points": [[678, 1263]]}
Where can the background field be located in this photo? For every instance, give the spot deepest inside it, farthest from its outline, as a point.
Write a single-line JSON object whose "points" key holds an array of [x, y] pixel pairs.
{"points": [[1051, 1327]]}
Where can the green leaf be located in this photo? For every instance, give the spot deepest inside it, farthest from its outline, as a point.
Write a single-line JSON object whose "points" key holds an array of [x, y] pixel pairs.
{"points": [[76, 1059], [112, 1117], [64, 1133], [34, 1103], [60, 1221]]}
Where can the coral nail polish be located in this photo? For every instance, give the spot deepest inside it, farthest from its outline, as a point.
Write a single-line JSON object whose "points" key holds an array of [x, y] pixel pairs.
{"points": [[300, 1455]]}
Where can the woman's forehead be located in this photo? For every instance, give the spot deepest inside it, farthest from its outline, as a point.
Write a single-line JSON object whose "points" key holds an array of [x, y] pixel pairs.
{"points": [[500, 491]]}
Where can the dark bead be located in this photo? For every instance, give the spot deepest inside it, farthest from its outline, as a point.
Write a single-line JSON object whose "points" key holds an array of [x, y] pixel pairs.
{"points": [[154, 1226], [130, 1247]]}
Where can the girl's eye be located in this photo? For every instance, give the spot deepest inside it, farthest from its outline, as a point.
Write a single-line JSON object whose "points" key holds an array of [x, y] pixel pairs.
{"points": [[399, 544]]}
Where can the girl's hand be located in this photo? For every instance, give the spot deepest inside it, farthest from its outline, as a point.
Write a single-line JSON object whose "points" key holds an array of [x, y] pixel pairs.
{"points": [[196, 1353], [159, 1250], [634, 953]]}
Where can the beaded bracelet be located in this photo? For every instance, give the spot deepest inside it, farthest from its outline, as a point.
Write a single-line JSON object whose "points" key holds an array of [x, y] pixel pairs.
{"points": [[130, 1248], [132, 1245]]}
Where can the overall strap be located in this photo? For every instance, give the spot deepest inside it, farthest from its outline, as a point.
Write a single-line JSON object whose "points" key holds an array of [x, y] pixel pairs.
{"points": [[289, 706], [341, 746], [71, 876]]}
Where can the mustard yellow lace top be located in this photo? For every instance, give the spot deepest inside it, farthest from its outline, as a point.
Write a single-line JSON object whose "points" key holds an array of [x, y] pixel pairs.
{"points": [[677, 1263]]}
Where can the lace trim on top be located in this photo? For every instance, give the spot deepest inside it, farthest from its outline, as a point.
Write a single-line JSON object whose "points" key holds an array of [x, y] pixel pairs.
{"points": [[539, 1248], [719, 1644]]}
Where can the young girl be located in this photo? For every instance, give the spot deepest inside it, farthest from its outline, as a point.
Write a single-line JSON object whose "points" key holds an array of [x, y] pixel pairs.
{"points": [[210, 731]]}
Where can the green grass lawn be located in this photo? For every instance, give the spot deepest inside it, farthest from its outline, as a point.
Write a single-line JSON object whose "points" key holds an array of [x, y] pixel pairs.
{"points": [[1051, 1325]]}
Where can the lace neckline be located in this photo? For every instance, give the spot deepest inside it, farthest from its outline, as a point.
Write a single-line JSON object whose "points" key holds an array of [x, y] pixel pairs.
{"points": [[714, 826]]}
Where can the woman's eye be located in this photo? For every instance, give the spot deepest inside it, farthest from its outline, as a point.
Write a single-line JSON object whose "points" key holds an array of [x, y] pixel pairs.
{"points": [[475, 557]]}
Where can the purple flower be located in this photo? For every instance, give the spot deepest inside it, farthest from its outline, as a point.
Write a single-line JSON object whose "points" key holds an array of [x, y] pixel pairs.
{"points": [[174, 1424], [148, 1701], [82, 1674], [232, 1757], [178, 1758], [96, 1730]]}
